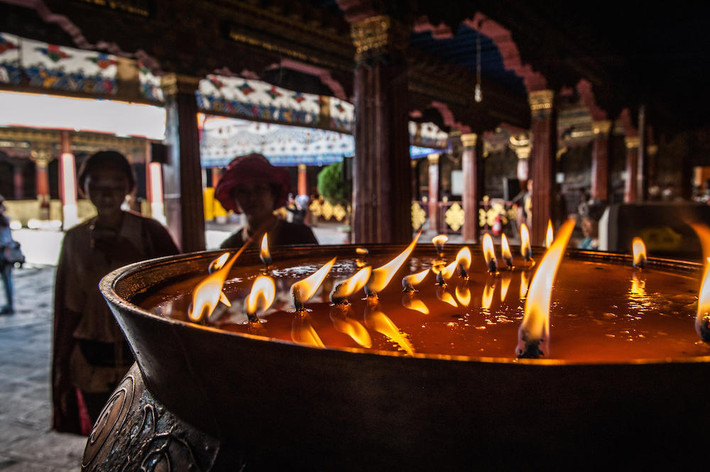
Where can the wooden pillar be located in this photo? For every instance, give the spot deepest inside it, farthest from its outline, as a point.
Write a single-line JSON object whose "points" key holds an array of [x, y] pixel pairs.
{"points": [[302, 179], [182, 173], [18, 182], [630, 189], [600, 160], [67, 182], [433, 192], [544, 147], [42, 157], [642, 171], [381, 196], [472, 191]]}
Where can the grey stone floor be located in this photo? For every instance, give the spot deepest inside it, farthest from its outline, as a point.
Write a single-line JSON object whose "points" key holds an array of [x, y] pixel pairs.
{"points": [[26, 440]]}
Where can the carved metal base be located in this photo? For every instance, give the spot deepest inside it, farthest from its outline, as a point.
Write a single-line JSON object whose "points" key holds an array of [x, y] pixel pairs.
{"points": [[135, 432]]}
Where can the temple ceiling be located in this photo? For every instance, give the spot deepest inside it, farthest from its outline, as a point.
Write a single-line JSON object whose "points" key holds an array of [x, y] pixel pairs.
{"points": [[626, 56]]}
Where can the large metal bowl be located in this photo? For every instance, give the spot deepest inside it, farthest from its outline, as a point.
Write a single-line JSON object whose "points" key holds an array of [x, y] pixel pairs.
{"points": [[269, 405]]}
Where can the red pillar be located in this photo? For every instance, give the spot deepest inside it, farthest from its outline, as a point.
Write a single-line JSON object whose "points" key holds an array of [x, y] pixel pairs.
{"points": [[42, 158], [381, 196], [632, 155], [302, 179], [18, 182], [600, 160], [433, 192], [472, 191], [182, 173], [544, 148]]}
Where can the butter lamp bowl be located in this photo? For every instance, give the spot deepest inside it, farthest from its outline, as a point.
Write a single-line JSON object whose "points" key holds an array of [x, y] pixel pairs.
{"points": [[219, 400]]}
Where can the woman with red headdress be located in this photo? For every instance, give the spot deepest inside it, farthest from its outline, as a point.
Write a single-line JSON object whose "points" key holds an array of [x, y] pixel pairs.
{"points": [[253, 186]]}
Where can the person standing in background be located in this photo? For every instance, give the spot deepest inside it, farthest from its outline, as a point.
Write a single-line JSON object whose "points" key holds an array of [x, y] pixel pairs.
{"points": [[5, 266], [90, 353]]}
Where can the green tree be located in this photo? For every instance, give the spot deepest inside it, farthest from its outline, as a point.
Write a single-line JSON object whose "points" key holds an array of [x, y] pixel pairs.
{"points": [[333, 187]]}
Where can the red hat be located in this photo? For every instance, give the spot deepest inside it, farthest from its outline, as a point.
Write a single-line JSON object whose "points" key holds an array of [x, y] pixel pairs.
{"points": [[251, 168]]}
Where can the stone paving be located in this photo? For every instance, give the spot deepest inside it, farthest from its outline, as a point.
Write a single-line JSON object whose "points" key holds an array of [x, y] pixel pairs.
{"points": [[26, 441]]}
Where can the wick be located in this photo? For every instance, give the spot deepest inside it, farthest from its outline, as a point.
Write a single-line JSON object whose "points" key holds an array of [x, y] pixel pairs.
{"points": [[531, 349], [440, 279], [492, 266], [704, 328], [462, 272], [509, 263], [641, 264]]}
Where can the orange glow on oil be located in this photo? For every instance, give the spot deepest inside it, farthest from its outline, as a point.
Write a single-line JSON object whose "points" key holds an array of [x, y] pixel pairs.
{"points": [[381, 323], [505, 284], [487, 297], [412, 303], [303, 332], [463, 295], [350, 327]]}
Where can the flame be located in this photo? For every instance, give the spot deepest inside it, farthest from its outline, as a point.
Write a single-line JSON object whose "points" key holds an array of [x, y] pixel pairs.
{"points": [[487, 298], [353, 328], [463, 295], [265, 255], [409, 281], [505, 284], [525, 247], [639, 249], [408, 301], [383, 325], [208, 293], [439, 242], [463, 261], [381, 276], [218, 263], [303, 290], [505, 250], [263, 292], [550, 234], [303, 332], [489, 253], [444, 272], [524, 282], [702, 320], [445, 297], [535, 327], [347, 287]]}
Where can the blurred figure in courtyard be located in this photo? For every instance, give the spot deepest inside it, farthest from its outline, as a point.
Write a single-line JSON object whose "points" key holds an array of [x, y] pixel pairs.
{"points": [[253, 186], [5, 265], [90, 353], [590, 212]]}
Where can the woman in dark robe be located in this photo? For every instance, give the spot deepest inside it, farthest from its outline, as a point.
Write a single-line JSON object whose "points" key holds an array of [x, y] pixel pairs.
{"points": [[90, 353]]}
